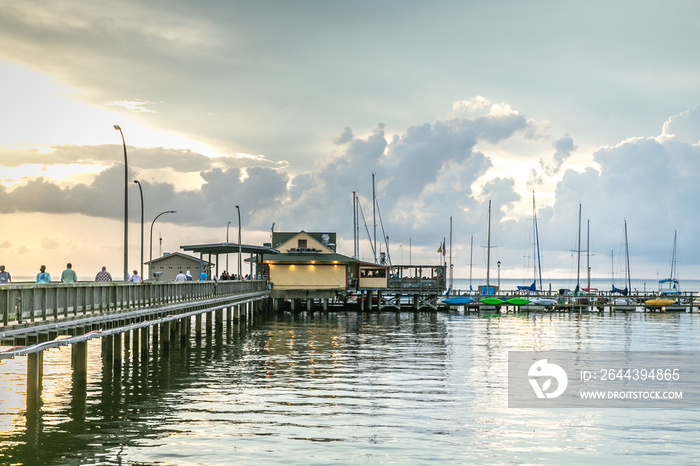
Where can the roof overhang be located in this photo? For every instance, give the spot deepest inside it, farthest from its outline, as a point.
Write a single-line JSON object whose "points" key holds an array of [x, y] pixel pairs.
{"points": [[229, 248]]}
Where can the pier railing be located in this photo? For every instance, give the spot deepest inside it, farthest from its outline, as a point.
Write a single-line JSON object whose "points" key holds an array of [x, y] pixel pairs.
{"points": [[22, 303]]}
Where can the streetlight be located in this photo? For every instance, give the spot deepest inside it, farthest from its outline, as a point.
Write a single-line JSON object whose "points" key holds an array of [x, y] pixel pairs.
{"points": [[240, 254], [141, 191], [126, 208], [150, 260], [499, 275], [227, 225]]}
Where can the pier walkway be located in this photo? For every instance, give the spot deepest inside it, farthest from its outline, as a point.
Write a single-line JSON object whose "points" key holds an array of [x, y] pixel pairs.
{"points": [[35, 318]]}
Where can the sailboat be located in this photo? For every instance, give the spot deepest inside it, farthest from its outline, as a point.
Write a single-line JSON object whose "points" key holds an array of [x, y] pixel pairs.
{"points": [[538, 302], [626, 302], [449, 299], [488, 291], [669, 288], [579, 300]]}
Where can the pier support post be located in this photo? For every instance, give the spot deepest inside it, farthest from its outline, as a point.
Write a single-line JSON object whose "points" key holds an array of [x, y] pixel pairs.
{"points": [[293, 304], [165, 335], [108, 350], [127, 343], [209, 323], [198, 326], [184, 330], [309, 304], [144, 343], [79, 353], [156, 332], [219, 321], [325, 304], [117, 352], [34, 370], [135, 340]]}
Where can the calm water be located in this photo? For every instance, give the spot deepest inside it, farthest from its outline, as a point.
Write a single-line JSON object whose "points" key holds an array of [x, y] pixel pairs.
{"points": [[346, 388]]}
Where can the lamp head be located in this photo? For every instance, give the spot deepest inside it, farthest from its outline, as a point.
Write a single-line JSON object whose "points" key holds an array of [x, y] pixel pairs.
{"points": [[117, 127]]}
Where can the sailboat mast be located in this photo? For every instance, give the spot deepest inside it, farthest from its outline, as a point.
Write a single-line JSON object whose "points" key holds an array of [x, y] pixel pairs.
{"points": [[578, 260], [612, 268], [374, 216], [451, 271], [537, 242], [627, 259], [488, 249], [588, 252], [354, 225], [471, 261], [673, 257]]}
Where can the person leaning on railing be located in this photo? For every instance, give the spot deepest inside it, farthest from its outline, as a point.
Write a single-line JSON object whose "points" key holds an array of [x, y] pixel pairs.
{"points": [[43, 276], [5, 277]]}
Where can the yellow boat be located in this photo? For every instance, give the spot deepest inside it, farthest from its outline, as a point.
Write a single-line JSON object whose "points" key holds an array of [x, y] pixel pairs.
{"points": [[659, 302]]}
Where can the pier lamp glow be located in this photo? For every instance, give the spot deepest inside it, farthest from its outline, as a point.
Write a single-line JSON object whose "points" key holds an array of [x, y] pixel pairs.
{"points": [[126, 207], [141, 192], [150, 259]]}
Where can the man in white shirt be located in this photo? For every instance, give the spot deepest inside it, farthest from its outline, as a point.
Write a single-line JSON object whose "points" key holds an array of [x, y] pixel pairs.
{"points": [[181, 277]]}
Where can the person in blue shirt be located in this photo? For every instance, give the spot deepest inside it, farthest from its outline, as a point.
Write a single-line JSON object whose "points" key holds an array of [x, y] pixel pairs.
{"points": [[203, 277], [43, 276]]}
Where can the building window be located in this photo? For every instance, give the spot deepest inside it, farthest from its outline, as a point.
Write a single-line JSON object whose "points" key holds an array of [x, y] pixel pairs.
{"points": [[373, 273], [301, 244]]}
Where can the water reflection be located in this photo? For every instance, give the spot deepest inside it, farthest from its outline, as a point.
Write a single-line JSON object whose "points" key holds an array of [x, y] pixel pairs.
{"points": [[384, 386]]}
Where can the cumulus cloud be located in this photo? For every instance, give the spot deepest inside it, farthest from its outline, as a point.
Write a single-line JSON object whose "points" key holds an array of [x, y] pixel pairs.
{"points": [[563, 149], [650, 182], [685, 126]]}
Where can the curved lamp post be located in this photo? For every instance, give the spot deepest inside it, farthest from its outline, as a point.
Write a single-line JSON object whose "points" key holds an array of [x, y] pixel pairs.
{"points": [[141, 191], [240, 255], [150, 259], [126, 208]]}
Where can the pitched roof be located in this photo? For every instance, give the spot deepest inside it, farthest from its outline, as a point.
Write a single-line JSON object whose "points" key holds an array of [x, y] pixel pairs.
{"points": [[178, 254]]}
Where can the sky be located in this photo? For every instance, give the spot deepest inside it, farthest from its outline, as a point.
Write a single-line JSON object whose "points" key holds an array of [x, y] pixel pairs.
{"points": [[286, 108]]}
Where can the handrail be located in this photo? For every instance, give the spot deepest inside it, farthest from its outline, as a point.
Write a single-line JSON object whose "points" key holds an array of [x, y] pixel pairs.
{"points": [[20, 303]]}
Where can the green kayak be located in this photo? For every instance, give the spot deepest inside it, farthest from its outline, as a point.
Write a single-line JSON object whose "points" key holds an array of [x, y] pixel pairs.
{"points": [[518, 301], [491, 301]]}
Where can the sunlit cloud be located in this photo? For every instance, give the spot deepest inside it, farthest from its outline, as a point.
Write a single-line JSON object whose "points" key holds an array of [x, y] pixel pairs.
{"points": [[135, 106]]}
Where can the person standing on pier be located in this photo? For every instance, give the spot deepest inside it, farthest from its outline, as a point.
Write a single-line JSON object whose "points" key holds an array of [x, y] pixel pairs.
{"points": [[135, 278], [5, 277], [203, 276], [103, 275], [69, 275], [43, 276]]}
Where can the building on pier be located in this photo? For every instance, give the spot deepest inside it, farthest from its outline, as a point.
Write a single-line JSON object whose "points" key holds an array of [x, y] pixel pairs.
{"points": [[171, 263]]}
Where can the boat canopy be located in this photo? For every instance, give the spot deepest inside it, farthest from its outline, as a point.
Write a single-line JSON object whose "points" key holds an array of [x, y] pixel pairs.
{"points": [[623, 292], [670, 281], [527, 288]]}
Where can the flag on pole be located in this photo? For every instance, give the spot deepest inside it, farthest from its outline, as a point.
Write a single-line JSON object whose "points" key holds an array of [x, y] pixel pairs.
{"points": [[444, 249], [439, 247]]}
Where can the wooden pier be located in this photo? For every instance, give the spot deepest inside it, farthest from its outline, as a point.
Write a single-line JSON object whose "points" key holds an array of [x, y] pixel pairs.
{"points": [[36, 318]]}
